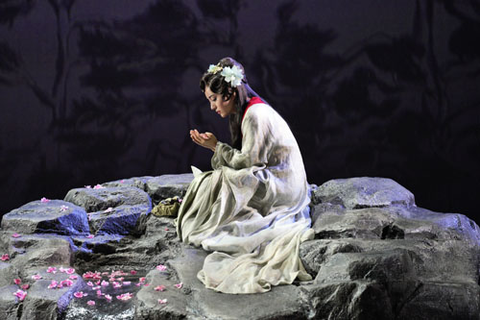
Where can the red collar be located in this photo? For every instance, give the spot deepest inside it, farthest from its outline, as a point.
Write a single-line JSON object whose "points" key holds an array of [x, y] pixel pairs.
{"points": [[253, 100]]}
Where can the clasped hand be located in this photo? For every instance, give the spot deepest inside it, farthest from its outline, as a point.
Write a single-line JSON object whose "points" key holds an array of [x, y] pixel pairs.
{"points": [[206, 140]]}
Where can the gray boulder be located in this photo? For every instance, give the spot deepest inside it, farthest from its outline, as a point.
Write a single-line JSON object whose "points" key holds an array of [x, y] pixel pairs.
{"points": [[55, 216], [168, 186], [357, 193], [93, 200]]}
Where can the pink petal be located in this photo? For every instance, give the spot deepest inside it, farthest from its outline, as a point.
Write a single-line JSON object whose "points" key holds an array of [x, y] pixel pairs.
{"points": [[142, 280], [179, 285], [90, 283], [88, 187], [99, 292], [79, 294], [45, 200], [161, 267], [105, 283], [90, 236], [5, 257], [159, 288], [166, 229], [162, 301], [25, 286], [53, 284], [108, 297], [98, 186], [70, 271], [91, 302], [52, 270], [133, 272], [127, 283], [16, 235], [20, 294], [36, 277], [17, 281], [73, 277]]}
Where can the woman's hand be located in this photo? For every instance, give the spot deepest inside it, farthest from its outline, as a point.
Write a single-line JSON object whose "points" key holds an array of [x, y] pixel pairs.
{"points": [[206, 140]]}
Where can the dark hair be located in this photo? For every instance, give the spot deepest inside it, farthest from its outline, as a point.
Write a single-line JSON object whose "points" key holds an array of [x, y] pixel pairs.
{"points": [[217, 84]]}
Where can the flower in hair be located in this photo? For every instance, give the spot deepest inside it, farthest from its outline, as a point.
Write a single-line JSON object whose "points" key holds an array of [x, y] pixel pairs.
{"points": [[233, 75], [214, 68]]}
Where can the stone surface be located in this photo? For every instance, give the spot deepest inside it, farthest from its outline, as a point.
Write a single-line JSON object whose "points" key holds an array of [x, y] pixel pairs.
{"points": [[55, 216], [168, 186], [357, 193], [93, 200], [376, 255]]}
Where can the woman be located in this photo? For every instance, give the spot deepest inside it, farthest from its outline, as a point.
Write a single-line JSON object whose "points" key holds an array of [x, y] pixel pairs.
{"points": [[252, 209]]}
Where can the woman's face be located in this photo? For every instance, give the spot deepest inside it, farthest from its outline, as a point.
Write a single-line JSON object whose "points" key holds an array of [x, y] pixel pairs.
{"points": [[218, 104]]}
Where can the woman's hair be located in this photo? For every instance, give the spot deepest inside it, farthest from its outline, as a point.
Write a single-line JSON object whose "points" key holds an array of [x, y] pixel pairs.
{"points": [[217, 84]]}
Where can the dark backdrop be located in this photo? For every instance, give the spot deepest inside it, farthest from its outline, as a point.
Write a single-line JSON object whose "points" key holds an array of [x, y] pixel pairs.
{"points": [[93, 91]]}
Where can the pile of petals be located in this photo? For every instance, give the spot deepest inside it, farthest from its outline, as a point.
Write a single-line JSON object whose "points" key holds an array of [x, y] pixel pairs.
{"points": [[20, 293], [5, 257], [57, 285]]}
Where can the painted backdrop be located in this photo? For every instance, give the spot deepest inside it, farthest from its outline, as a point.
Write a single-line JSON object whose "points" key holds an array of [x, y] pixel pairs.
{"points": [[92, 91]]}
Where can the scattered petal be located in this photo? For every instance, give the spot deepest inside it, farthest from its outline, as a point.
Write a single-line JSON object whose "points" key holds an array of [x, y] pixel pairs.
{"points": [[91, 302], [90, 236], [63, 208], [90, 283], [98, 186], [88, 187], [160, 288], [110, 209], [52, 270], [162, 301], [179, 285], [44, 200], [16, 235], [133, 272], [20, 294], [17, 281], [125, 296], [127, 283], [92, 275], [105, 283], [166, 229], [73, 277], [67, 283], [146, 285], [142, 280], [53, 284], [161, 267], [79, 294], [36, 277], [99, 292], [5, 257], [25, 286], [116, 285], [108, 297]]}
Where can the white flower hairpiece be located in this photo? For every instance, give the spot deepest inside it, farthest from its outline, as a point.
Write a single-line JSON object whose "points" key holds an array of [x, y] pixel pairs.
{"points": [[232, 75]]}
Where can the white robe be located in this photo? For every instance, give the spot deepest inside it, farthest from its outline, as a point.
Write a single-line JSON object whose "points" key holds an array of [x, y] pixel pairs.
{"points": [[251, 210]]}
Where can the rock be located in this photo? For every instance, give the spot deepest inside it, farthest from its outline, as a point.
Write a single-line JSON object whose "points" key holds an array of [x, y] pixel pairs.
{"points": [[376, 255], [168, 186], [10, 308], [357, 193], [93, 200], [40, 251], [120, 220], [43, 303], [137, 182], [55, 216]]}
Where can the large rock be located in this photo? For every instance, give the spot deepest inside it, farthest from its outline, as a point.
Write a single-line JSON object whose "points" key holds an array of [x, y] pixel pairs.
{"points": [[376, 255], [93, 200], [54, 216], [168, 186], [356, 193]]}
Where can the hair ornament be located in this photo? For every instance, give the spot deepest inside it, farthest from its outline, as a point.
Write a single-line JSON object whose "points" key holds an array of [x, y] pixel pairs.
{"points": [[232, 75]]}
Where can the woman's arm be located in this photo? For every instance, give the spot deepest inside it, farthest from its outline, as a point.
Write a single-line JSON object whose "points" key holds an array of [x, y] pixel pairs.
{"points": [[256, 142], [206, 140]]}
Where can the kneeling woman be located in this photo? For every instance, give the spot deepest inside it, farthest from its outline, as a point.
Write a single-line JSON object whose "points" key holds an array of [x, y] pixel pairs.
{"points": [[252, 209]]}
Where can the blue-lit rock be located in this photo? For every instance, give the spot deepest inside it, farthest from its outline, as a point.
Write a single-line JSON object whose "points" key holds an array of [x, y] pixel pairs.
{"points": [[54, 216]]}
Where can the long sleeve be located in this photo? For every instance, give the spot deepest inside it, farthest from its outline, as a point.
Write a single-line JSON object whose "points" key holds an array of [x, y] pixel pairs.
{"points": [[256, 142]]}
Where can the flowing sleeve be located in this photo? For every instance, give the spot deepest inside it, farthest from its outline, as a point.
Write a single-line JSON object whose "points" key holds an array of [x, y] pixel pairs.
{"points": [[256, 142]]}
